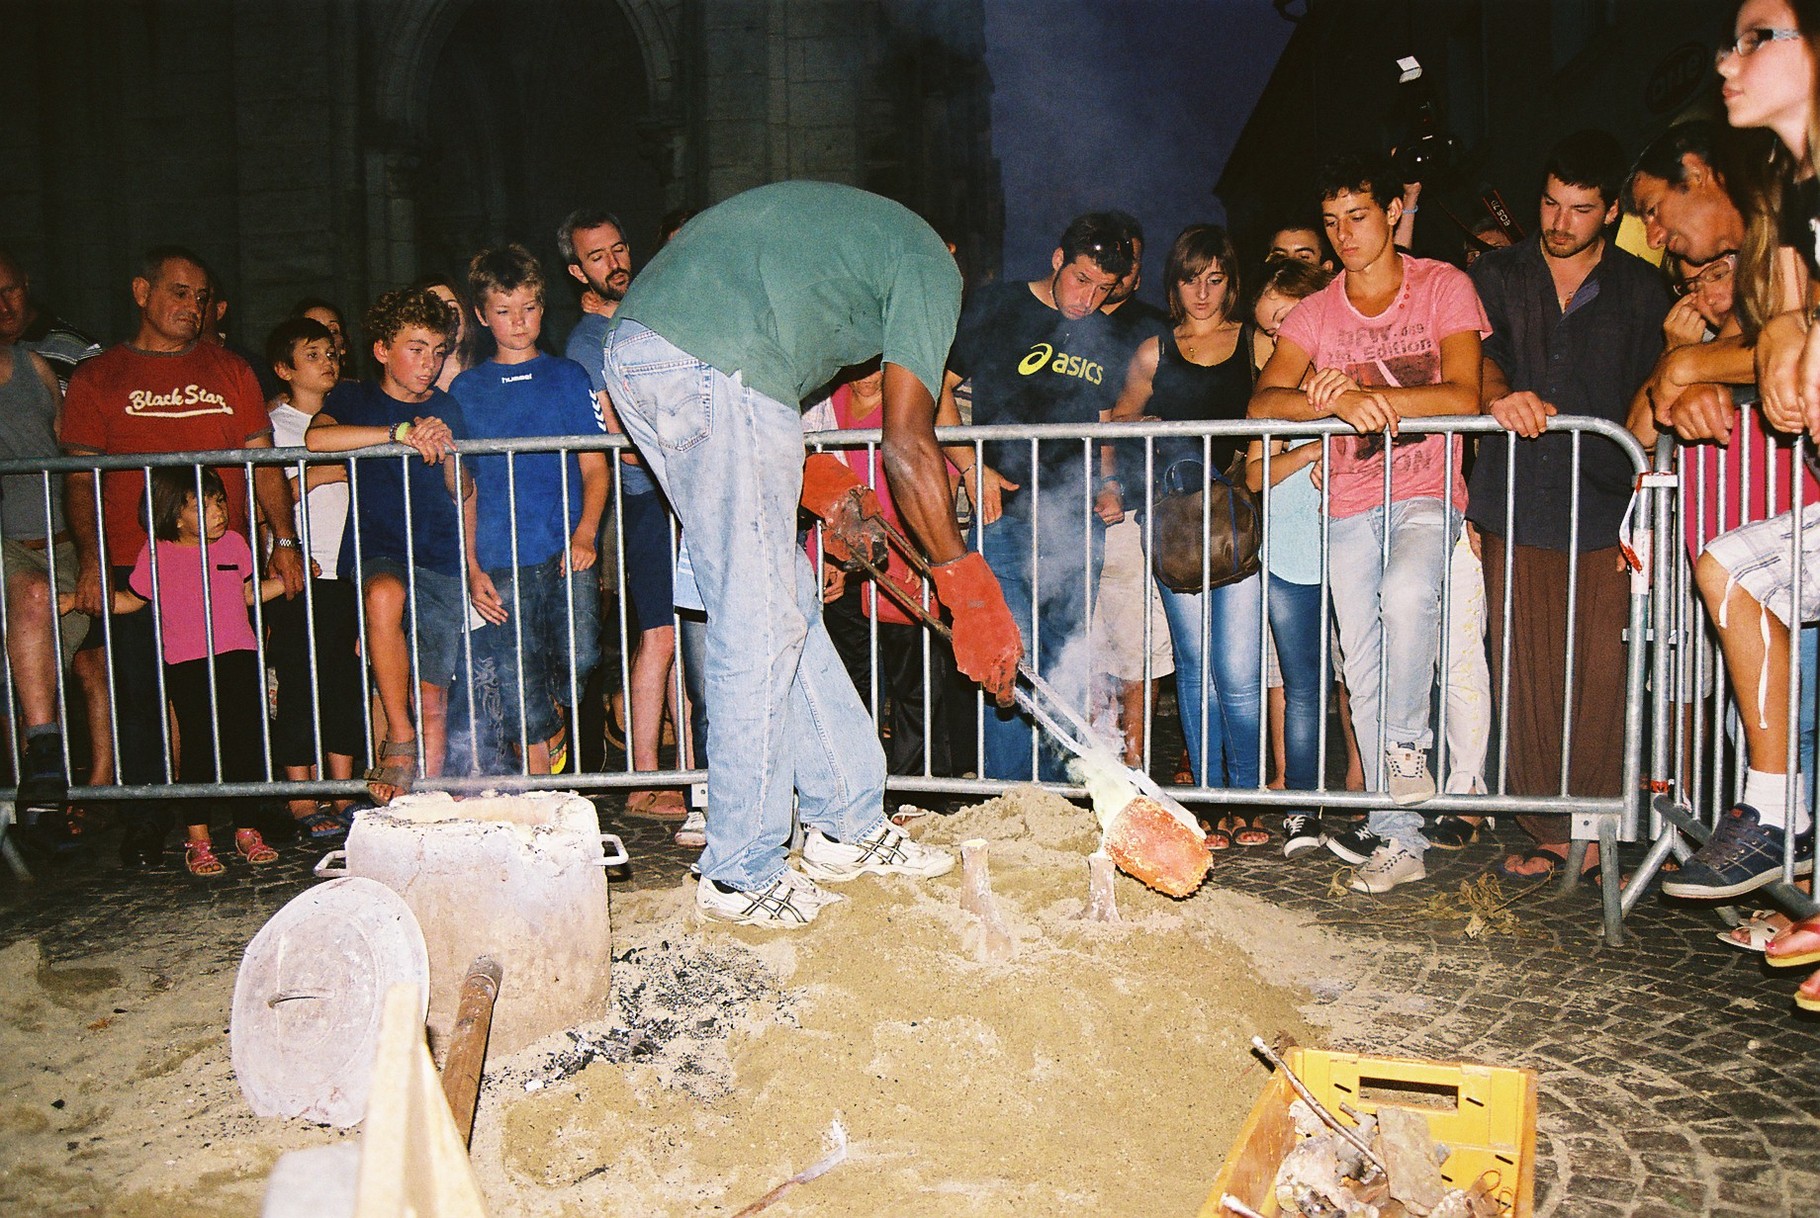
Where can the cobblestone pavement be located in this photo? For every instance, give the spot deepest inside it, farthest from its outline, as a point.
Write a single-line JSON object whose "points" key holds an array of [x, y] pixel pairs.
{"points": [[1676, 1075]]}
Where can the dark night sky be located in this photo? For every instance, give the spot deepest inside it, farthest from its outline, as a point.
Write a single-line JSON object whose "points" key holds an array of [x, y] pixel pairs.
{"points": [[1120, 103]]}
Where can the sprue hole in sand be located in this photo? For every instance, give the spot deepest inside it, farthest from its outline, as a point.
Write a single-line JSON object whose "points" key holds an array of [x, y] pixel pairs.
{"points": [[995, 944]]}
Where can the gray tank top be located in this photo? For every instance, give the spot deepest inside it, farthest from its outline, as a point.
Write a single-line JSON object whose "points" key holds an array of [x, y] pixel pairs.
{"points": [[28, 422]]}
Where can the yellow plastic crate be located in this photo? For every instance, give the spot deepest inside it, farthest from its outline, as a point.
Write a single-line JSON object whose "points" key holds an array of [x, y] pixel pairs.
{"points": [[1485, 1114]]}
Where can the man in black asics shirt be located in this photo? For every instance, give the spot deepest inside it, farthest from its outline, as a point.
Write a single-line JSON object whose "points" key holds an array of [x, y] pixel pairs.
{"points": [[1041, 352]]}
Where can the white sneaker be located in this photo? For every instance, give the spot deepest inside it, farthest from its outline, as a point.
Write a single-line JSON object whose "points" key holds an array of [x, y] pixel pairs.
{"points": [[694, 829], [1406, 775], [1389, 865], [886, 851], [789, 901]]}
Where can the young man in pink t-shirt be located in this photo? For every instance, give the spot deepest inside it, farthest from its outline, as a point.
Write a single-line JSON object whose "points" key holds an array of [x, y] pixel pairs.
{"points": [[1394, 337]]}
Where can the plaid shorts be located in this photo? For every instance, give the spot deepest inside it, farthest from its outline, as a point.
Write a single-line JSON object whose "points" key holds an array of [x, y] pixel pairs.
{"points": [[1758, 558]]}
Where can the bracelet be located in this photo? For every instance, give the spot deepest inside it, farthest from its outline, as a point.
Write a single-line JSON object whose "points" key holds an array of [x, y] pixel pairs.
{"points": [[400, 432], [1412, 209], [287, 543]]}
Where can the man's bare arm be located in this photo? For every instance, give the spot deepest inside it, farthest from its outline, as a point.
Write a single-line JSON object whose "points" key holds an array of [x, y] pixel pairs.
{"points": [[272, 492], [915, 466], [1279, 390]]}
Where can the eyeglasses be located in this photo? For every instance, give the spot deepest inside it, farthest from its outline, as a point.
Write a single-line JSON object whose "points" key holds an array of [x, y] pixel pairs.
{"points": [[1717, 272], [1750, 40]]}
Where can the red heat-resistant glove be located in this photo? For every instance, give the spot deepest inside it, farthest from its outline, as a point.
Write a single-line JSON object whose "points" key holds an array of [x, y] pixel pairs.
{"points": [[848, 509], [987, 646]]}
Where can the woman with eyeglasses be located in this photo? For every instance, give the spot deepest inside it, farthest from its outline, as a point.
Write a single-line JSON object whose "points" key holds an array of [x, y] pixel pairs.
{"points": [[1746, 576]]}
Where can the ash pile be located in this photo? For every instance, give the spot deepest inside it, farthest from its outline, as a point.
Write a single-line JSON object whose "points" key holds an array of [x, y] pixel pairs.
{"points": [[675, 1003]]}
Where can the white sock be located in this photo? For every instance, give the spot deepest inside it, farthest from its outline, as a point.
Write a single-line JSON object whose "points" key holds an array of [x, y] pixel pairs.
{"points": [[1768, 794]]}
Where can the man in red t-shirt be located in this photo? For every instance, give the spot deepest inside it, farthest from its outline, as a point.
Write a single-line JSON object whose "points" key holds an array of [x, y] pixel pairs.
{"points": [[163, 391]]}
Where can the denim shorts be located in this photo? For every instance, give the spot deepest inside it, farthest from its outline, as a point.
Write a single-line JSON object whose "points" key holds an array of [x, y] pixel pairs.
{"points": [[537, 602], [434, 621]]}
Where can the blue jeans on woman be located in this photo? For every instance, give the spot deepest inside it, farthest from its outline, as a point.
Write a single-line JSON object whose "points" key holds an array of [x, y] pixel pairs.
{"points": [[1298, 625], [1217, 687]]}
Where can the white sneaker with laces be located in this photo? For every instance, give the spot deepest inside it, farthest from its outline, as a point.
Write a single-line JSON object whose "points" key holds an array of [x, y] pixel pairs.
{"points": [[1406, 775], [885, 851], [790, 901], [809, 891], [1389, 865], [694, 829]]}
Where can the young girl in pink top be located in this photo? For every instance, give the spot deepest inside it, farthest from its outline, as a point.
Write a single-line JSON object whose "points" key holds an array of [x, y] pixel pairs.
{"points": [[189, 612]]}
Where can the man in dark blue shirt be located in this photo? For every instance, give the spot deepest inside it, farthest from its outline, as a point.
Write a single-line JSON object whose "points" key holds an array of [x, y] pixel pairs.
{"points": [[1041, 352], [1576, 328]]}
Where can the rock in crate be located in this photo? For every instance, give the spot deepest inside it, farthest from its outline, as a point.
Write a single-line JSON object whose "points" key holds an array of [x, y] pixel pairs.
{"points": [[1483, 1116]]}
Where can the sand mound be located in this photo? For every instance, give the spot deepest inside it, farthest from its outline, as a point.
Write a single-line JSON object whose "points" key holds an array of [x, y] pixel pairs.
{"points": [[116, 1096], [1101, 1070]]}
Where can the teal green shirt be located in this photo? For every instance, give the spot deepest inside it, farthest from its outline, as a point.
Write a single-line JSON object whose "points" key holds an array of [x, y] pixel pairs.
{"points": [[789, 283]]}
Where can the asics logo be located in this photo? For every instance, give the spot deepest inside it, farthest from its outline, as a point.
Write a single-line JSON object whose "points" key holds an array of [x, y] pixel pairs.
{"points": [[1044, 355]]}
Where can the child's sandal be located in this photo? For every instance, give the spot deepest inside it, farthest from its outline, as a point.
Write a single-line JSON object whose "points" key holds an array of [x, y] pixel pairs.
{"points": [[250, 844], [324, 824], [199, 858]]}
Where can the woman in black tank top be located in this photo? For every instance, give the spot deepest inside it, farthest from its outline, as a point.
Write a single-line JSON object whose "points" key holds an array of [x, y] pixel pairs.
{"points": [[1198, 372]]}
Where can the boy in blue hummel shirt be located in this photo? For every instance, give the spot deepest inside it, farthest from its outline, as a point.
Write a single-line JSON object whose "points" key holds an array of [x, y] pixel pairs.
{"points": [[523, 579]]}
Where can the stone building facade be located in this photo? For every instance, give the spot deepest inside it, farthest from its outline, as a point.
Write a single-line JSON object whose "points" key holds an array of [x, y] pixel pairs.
{"points": [[343, 147]]}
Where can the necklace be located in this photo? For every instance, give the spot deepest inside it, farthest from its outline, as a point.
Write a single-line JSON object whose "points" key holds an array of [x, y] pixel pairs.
{"points": [[1191, 347]]}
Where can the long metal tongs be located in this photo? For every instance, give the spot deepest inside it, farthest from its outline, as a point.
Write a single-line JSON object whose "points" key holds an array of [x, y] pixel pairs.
{"points": [[1034, 695]]}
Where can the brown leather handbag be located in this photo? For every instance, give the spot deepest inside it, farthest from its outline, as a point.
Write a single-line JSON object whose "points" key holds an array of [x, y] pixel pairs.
{"points": [[1188, 558]]}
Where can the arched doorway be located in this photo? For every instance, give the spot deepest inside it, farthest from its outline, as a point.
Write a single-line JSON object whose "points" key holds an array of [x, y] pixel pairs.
{"points": [[531, 111]]}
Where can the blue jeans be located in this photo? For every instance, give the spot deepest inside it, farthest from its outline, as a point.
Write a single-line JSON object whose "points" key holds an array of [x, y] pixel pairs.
{"points": [[530, 641], [1217, 690], [1389, 610], [1071, 545], [1297, 624], [784, 719]]}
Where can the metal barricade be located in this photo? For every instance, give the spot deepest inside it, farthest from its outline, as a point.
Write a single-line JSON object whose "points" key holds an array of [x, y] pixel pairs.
{"points": [[1606, 818], [1068, 497], [1697, 752]]}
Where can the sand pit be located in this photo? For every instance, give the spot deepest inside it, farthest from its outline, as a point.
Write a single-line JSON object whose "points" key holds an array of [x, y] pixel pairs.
{"points": [[1103, 1069]]}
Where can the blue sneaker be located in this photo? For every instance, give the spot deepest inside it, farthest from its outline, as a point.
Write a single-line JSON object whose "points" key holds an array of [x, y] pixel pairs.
{"points": [[1741, 856]]}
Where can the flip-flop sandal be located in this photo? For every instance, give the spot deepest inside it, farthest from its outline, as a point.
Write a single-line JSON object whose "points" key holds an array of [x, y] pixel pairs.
{"points": [[1219, 837], [1808, 996], [1799, 944], [1184, 772], [657, 805], [1555, 864], [1754, 933], [1249, 832]]}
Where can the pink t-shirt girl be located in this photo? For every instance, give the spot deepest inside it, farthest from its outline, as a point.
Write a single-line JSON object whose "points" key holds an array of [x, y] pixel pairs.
{"points": [[1401, 347], [181, 601]]}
